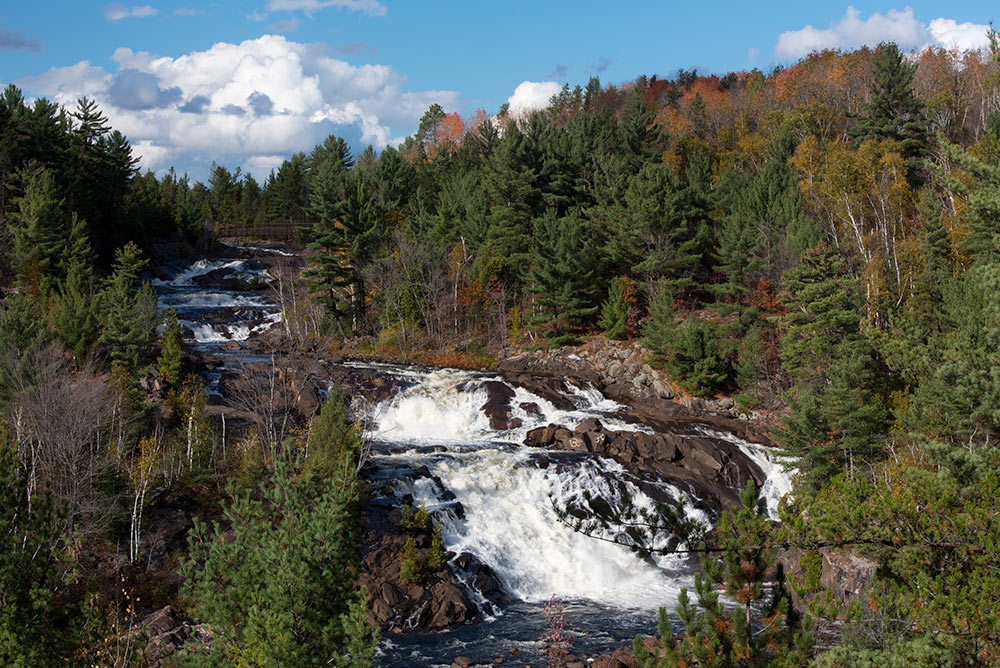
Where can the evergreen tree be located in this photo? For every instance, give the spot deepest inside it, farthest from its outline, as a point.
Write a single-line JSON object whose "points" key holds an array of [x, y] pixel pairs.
{"points": [[838, 408], [695, 359], [278, 588], [127, 312], [758, 237], [334, 445], [561, 277], [73, 312], [616, 309], [170, 363], [957, 401], [22, 331], [287, 192], [913, 343], [41, 230], [894, 111], [724, 637], [509, 179], [668, 223], [981, 189], [660, 328], [644, 140], [349, 225]]}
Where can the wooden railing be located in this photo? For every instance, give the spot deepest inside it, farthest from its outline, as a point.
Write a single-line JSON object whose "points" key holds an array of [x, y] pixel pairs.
{"points": [[283, 231]]}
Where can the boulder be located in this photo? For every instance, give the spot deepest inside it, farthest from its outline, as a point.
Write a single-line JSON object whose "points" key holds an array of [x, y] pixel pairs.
{"points": [[449, 606], [590, 424], [497, 406], [541, 437]]}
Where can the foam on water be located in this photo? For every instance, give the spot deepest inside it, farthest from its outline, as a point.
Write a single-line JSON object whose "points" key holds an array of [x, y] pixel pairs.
{"points": [[213, 299], [511, 524], [510, 519], [238, 269], [445, 406], [778, 470]]}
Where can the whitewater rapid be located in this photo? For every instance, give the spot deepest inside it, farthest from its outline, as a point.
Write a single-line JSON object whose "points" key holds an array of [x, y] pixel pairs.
{"points": [[216, 316], [512, 505]]}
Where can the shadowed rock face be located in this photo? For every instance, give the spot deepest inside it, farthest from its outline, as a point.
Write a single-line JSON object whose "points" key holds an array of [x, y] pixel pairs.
{"points": [[714, 470], [498, 406], [440, 599]]}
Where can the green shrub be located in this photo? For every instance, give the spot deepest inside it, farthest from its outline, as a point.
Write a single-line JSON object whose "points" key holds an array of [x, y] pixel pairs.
{"points": [[279, 586], [334, 440], [435, 556], [410, 567], [615, 311], [415, 519]]}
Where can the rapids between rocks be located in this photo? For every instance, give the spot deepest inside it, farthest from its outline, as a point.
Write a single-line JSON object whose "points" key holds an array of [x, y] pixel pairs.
{"points": [[437, 442]]}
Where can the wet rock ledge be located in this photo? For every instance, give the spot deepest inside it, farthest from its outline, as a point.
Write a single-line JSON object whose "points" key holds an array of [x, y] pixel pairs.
{"points": [[712, 469]]}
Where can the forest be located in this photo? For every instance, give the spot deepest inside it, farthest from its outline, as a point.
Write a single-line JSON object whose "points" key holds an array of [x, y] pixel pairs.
{"points": [[820, 242]]}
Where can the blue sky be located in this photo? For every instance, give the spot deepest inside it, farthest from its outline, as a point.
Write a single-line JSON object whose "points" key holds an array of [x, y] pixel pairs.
{"points": [[248, 83]]}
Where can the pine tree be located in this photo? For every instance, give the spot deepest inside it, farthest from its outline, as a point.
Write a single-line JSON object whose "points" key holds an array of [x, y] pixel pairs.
{"points": [[73, 313], [127, 312], [668, 222], [41, 230], [981, 189], [616, 309], [724, 637], [509, 179], [838, 417], [760, 235], [695, 360], [22, 331], [660, 329], [170, 363], [561, 277], [279, 586], [644, 140], [894, 111], [349, 226], [334, 445]]}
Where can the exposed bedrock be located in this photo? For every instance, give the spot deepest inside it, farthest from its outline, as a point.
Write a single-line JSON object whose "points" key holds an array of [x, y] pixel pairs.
{"points": [[713, 469]]}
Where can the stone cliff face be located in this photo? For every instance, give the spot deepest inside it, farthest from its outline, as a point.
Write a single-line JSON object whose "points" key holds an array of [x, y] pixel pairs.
{"points": [[844, 574], [621, 370], [709, 468]]}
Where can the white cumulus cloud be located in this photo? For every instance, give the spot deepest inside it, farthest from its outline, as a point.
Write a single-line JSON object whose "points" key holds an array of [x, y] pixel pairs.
{"points": [[897, 26], [117, 11], [951, 34], [531, 95], [242, 104]]}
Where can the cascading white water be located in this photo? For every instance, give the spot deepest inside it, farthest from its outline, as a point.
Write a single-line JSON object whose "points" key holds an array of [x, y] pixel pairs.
{"points": [[445, 406], [238, 270], [213, 299], [239, 315], [510, 520], [778, 470], [261, 249], [510, 523]]}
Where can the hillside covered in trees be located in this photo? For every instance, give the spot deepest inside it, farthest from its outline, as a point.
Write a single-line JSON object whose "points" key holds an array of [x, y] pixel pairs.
{"points": [[821, 242]]}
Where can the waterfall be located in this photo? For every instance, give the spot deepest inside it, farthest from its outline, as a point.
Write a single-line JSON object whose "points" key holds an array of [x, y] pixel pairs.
{"points": [[510, 520], [235, 315], [778, 470]]}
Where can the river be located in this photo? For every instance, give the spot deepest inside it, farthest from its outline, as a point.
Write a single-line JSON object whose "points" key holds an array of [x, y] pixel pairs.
{"points": [[494, 498]]}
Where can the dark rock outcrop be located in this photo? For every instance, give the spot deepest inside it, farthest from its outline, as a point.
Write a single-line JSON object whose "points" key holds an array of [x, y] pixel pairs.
{"points": [[712, 468], [842, 572], [165, 632], [498, 405], [437, 601]]}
